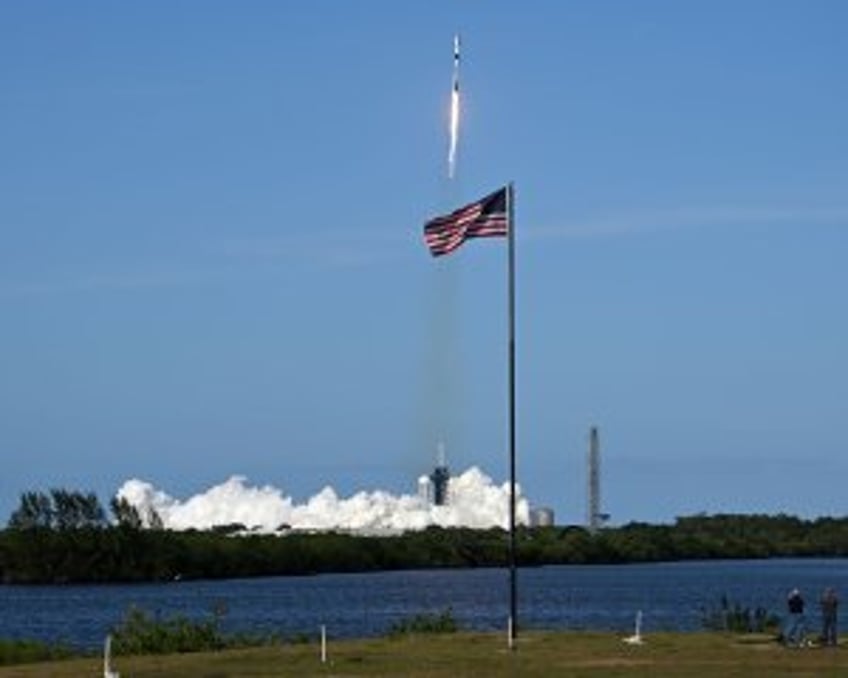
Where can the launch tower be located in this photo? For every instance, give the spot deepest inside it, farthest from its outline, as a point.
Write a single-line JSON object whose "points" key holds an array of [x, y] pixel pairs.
{"points": [[594, 517]]}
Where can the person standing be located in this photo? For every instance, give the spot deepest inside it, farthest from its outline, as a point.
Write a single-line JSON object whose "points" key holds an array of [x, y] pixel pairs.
{"points": [[794, 634], [829, 602]]}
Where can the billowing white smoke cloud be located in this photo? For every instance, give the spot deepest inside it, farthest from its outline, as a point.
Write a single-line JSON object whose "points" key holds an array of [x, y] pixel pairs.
{"points": [[473, 501]]}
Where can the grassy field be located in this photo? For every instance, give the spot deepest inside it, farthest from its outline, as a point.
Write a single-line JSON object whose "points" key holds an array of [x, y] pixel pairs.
{"points": [[469, 654]]}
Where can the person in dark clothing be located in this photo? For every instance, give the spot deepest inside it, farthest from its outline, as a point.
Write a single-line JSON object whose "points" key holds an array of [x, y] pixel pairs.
{"points": [[829, 602], [793, 633]]}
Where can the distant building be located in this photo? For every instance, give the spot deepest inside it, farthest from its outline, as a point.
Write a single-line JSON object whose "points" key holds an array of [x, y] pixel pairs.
{"points": [[541, 517], [425, 489]]}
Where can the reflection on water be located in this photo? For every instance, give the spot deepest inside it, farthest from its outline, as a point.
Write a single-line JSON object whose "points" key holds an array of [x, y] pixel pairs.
{"points": [[600, 597]]}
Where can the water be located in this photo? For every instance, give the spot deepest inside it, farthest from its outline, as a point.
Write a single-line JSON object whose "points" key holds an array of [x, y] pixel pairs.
{"points": [[671, 596]]}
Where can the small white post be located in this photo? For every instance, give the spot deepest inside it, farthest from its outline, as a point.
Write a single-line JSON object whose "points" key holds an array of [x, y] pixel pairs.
{"points": [[509, 632], [107, 659], [323, 644], [636, 638]]}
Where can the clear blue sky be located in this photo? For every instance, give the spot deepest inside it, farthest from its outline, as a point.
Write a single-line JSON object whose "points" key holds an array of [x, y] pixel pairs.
{"points": [[211, 258]]}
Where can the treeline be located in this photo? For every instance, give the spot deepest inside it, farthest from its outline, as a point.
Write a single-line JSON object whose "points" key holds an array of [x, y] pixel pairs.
{"points": [[67, 537]]}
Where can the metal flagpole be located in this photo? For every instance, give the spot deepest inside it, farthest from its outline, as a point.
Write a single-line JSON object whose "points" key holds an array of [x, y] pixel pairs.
{"points": [[513, 589]]}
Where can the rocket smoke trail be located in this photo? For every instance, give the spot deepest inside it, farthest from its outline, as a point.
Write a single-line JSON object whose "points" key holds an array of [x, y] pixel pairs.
{"points": [[454, 112]]}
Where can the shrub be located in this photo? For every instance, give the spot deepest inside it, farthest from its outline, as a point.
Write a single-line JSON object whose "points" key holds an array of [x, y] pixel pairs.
{"points": [[426, 623], [140, 633], [28, 651], [731, 616]]}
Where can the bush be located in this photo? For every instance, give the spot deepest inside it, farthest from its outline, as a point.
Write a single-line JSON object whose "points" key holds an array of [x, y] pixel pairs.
{"points": [[426, 623], [28, 651], [731, 616], [139, 633]]}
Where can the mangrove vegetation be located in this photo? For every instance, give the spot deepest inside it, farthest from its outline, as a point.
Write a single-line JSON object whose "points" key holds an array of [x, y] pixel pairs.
{"points": [[65, 536]]}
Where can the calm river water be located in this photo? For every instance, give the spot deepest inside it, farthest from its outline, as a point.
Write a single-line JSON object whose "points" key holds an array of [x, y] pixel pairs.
{"points": [[671, 596]]}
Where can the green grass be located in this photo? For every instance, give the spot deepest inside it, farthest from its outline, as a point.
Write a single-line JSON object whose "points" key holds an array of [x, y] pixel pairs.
{"points": [[23, 651], [474, 654]]}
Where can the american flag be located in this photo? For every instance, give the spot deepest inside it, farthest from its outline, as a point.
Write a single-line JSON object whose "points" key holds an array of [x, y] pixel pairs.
{"points": [[482, 219]]}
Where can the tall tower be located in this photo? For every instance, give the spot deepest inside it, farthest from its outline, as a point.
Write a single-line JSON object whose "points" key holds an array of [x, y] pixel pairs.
{"points": [[594, 517]]}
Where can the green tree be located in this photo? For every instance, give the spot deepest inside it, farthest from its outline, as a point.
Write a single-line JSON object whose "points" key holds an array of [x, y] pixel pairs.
{"points": [[126, 515], [75, 510], [35, 510]]}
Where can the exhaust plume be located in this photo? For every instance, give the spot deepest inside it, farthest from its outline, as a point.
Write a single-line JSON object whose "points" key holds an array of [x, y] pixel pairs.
{"points": [[473, 501]]}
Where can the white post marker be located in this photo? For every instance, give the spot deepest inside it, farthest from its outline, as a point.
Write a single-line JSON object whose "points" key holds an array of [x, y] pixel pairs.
{"points": [[323, 644], [636, 638], [107, 659], [509, 634]]}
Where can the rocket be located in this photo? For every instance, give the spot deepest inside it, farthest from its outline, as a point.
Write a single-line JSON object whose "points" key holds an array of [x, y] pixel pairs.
{"points": [[456, 63], [453, 131]]}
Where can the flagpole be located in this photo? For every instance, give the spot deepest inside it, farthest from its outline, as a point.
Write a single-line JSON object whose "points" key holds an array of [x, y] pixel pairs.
{"points": [[513, 588]]}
